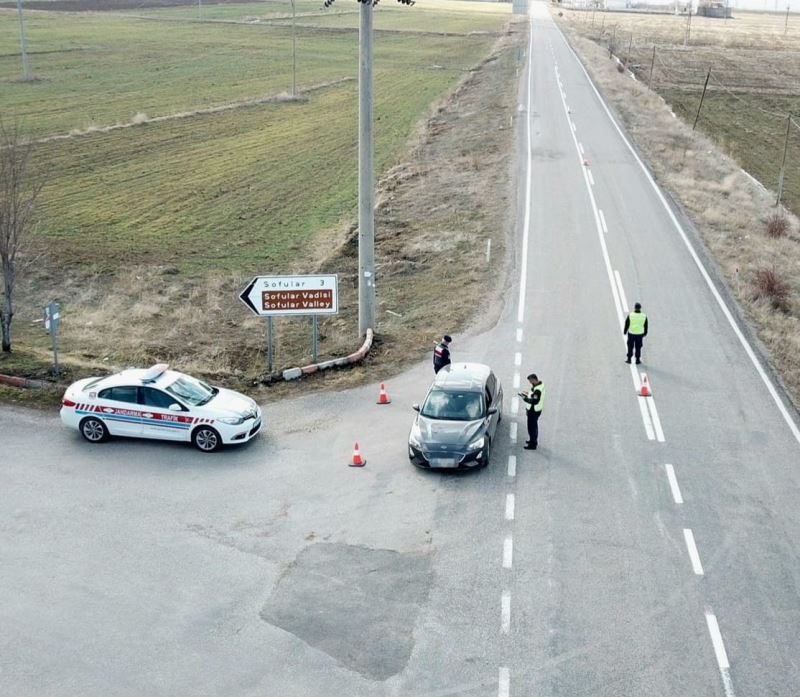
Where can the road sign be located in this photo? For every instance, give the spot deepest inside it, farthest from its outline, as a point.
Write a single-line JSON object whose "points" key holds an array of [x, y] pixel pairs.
{"points": [[277, 296]]}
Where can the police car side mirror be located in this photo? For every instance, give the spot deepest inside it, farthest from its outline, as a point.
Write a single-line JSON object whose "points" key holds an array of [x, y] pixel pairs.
{"points": [[415, 407], [492, 410], [175, 407]]}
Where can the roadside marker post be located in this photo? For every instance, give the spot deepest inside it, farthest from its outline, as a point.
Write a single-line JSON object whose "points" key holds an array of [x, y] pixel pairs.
{"points": [[52, 316]]}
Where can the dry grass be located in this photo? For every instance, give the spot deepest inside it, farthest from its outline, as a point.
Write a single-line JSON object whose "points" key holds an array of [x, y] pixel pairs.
{"points": [[724, 204], [768, 285], [777, 225]]}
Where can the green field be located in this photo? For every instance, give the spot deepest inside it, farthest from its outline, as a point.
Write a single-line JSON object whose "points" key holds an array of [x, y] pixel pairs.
{"points": [[241, 189]]}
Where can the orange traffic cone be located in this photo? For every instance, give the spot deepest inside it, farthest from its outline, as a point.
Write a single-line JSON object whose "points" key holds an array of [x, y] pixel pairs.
{"points": [[358, 461], [383, 398], [644, 391]]}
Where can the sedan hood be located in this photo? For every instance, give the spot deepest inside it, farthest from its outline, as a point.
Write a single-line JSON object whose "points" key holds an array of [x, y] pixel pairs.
{"points": [[234, 403], [444, 432]]}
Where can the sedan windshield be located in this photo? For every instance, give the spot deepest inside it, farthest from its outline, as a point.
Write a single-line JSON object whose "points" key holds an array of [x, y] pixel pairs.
{"points": [[453, 406], [192, 391]]}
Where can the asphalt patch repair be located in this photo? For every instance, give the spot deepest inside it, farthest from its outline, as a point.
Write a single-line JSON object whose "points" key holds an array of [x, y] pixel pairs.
{"points": [[358, 605]]}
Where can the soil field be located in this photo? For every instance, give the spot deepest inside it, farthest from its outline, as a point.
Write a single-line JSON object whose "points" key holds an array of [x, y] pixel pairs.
{"points": [[149, 230]]}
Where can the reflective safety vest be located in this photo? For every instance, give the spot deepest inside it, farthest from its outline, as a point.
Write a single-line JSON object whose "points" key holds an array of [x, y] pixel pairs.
{"points": [[531, 392], [636, 322]]}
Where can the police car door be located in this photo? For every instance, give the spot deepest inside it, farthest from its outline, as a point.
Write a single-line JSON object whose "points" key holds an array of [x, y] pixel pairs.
{"points": [[119, 408], [159, 420]]}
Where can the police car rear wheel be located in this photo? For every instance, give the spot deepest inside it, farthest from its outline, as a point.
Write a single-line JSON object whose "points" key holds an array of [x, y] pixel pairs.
{"points": [[206, 439], [94, 430]]}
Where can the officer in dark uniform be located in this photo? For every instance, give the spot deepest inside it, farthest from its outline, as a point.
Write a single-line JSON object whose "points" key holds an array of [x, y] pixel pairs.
{"points": [[534, 403], [636, 329], [441, 354]]}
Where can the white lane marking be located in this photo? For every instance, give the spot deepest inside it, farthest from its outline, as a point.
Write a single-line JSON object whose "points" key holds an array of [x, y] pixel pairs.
{"points": [[603, 221], [673, 484], [514, 405], [793, 427], [512, 465], [509, 506], [622, 297], [591, 178], [503, 682], [651, 405], [694, 555], [516, 380], [517, 358], [572, 123], [648, 425], [580, 147], [508, 552], [519, 334], [512, 432], [526, 227], [505, 612], [720, 653]]}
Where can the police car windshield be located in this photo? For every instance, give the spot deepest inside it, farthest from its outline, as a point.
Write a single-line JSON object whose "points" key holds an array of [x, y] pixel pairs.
{"points": [[453, 405], [192, 391]]}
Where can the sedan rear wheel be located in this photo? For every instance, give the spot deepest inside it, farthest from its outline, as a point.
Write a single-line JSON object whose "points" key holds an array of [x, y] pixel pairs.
{"points": [[206, 439], [93, 430]]}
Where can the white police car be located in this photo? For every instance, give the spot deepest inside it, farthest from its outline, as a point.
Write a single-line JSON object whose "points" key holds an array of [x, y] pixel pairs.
{"points": [[159, 403]]}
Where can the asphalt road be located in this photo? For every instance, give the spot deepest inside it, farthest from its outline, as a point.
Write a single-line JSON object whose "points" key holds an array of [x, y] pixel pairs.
{"points": [[649, 547]]}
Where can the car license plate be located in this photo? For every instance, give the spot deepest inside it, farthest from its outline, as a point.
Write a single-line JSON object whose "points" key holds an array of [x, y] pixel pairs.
{"points": [[444, 462]]}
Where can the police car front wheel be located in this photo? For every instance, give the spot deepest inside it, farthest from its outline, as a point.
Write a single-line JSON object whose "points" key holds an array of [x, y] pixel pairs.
{"points": [[94, 430], [206, 439]]}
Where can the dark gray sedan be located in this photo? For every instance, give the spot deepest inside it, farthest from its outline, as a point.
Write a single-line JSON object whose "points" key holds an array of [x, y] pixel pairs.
{"points": [[458, 420]]}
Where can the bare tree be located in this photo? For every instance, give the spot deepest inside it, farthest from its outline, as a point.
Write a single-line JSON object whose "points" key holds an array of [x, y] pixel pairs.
{"points": [[19, 189]]}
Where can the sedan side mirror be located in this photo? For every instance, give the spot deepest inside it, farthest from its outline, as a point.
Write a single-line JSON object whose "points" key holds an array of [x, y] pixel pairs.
{"points": [[492, 410], [415, 407], [175, 407]]}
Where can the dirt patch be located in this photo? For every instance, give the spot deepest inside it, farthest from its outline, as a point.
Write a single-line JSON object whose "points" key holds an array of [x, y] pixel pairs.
{"points": [[436, 210], [728, 209]]}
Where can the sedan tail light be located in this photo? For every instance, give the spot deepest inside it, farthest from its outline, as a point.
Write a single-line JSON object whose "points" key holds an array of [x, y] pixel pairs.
{"points": [[68, 402]]}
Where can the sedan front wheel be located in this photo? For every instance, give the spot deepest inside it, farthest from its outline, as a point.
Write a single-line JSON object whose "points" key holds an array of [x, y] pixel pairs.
{"points": [[206, 439]]}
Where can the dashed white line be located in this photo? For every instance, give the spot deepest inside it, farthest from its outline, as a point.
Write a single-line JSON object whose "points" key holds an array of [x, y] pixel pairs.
{"points": [[623, 299], [517, 358], [574, 127], [591, 178], [503, 682], [519, 335], [509, 506], [505, 612], [720, 653], [514, 405], [673, 484], [512, 465], [508, 552], [694, 555], [603, 221], [580, 147], [516, 380], [512, 432], [651, 405]]}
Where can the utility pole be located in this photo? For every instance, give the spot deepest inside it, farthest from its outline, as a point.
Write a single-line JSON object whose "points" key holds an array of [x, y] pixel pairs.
{"points": [[294, 53], [688, 33], [366, 195], [783, 163], [25, 74], [702, 98], [786, 23], [652, 65], [199, 9]]}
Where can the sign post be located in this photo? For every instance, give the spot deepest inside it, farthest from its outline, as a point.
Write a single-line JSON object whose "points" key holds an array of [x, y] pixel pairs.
{"points": [[281, 296], [52, 315]]}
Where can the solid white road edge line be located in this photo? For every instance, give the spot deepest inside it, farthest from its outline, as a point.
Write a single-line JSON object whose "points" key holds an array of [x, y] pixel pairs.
{"points": [[512, 432], [503, 682], [523, 272], [673, 484], [694, 555], [719, 652], [508, 552], [651, 405], [591, 178], [509, 506], [603, 221], [793, 427], [580, 147], [505, 612], [622, 297], [512, 465]]}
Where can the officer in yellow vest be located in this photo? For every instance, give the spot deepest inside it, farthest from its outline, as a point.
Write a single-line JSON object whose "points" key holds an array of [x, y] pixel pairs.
{"points": [[534, 403], [636, 329]]}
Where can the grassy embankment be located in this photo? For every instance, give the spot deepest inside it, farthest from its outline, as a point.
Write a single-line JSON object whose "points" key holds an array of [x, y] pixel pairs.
{"points": [[148, 232]]}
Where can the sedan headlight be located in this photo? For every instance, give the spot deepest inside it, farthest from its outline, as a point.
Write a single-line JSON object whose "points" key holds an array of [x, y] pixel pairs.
{"points": [[477, 444], [413, 439], [232, 420]]}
